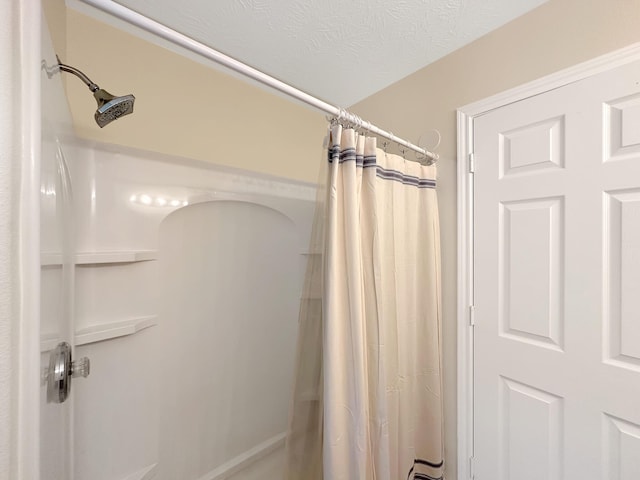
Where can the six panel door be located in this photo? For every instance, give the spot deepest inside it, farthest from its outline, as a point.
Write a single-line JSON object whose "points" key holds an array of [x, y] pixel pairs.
{"points": [[557, 283]]}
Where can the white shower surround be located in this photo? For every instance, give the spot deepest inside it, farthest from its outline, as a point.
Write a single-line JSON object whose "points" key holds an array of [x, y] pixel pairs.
{"points": [[120, 292]]}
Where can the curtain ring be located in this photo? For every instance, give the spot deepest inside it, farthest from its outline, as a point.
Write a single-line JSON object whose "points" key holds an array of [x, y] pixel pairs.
{"points": [[358, 124], [344, 118], [366, 126]]}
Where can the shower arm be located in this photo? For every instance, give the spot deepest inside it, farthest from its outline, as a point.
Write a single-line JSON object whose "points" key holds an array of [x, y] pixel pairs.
{"points": [[69, 69]]}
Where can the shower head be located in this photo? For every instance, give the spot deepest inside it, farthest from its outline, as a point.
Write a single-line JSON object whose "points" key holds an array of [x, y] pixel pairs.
{"points": [[110, 107]]}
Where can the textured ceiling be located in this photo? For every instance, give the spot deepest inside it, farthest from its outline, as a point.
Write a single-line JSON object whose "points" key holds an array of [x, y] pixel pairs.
{"points": [[339, 51]]}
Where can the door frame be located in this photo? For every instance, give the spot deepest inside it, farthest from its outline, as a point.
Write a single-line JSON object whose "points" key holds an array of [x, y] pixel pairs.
{"points": [[465, 253], [20, 143]]}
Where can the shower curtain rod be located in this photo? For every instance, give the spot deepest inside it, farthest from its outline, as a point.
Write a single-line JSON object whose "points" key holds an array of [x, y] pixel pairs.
{"points": [[190, 44]]}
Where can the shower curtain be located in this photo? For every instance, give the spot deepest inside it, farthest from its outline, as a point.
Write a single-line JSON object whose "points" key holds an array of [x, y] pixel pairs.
{"points": [[367, 400]]}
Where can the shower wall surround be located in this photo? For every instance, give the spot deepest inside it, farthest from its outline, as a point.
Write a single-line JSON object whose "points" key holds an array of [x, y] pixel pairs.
{"points": [[187, 286]]}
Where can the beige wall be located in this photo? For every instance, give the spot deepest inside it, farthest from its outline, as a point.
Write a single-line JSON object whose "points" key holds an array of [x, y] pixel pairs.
{"points": [[182, 107], [554, 36], [56, 17]]}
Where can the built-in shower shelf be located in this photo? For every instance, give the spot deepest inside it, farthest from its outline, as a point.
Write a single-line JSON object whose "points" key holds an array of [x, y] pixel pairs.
{"points": [[103, 331], [48, 342], [146, 473], [242, 461], [108, 331], [101, 258]]}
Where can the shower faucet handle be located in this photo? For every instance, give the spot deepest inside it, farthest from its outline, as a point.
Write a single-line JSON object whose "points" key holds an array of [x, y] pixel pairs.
{"points": [[62, 368]]}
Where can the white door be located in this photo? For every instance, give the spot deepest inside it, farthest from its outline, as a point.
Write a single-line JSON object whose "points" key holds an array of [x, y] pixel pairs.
{"points": [[557, 283]]}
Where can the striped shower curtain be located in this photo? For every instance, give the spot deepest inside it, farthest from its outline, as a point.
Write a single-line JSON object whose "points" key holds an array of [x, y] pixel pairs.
{"points": [[367, 401]]}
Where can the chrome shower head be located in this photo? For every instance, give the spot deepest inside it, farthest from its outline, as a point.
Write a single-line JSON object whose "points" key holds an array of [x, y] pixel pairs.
{"points": [[110, 107]]}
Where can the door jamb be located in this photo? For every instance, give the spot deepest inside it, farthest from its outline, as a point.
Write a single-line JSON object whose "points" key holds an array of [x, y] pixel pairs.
{"points": [[20, 146], [465, 185]]}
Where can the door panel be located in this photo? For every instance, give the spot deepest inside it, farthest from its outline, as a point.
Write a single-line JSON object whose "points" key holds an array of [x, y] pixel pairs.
{"points": [[530, 309], [557, 262]]}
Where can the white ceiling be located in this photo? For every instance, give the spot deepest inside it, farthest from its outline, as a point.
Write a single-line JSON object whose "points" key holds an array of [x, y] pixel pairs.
{"points": [[339, 51]]}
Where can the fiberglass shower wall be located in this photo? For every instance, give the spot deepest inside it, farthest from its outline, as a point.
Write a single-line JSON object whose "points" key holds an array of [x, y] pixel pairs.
{"points": [[228, 269], [187, 288]]}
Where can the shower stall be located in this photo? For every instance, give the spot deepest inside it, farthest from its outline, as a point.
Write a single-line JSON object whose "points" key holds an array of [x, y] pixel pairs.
{"points": [[179, 281]]}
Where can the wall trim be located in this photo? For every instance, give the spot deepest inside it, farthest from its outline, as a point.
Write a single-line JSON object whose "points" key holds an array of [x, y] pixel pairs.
{"points": [[26, 322], [465, 186], [465, 298]]}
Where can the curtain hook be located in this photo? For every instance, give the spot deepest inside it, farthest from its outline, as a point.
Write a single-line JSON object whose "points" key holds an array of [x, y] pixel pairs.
{"points": [[366, 127], [351, 119], [358, 124], [345, 117]]}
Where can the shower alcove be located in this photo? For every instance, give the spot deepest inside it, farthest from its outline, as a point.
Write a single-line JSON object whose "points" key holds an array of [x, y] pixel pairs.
{"points": [[187, 280]]}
